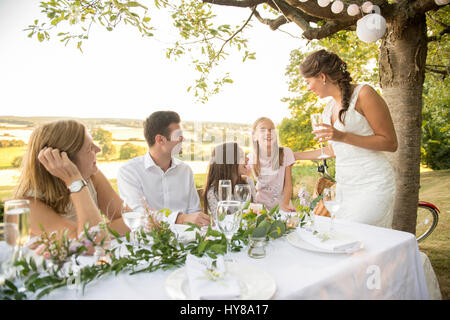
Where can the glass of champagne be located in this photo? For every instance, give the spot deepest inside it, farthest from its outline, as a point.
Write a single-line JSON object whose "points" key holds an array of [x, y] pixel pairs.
{"points": [[224, 192], [228, 219], [332, 201], [316, 121], [17, 226]]}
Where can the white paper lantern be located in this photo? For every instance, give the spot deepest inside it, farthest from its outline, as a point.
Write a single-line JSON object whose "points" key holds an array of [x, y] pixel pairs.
{"points": [[323, 3], [353, 10], [371, 27], [441, 2], [337, 6], [367, 7]]}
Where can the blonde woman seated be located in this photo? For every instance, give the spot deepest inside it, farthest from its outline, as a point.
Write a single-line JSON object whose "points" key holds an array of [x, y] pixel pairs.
{"points": [[61, 180]]}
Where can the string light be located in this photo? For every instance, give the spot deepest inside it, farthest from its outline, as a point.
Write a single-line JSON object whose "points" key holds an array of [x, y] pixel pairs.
{"points": [[337, 6], [370, 27]]}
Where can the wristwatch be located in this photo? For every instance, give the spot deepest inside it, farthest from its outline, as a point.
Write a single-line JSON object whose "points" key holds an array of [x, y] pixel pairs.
{"points": [[77, 185]]}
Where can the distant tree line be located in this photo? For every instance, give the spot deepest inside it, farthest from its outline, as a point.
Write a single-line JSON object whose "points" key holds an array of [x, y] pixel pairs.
{"points": [[12, 143]]}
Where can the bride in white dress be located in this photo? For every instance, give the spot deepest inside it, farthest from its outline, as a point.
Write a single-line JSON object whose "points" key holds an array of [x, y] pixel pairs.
{"points": [[359, 127]]}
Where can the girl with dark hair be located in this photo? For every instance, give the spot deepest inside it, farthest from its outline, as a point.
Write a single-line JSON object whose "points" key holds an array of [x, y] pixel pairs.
{"points": [[228, 162], [359, 127]]}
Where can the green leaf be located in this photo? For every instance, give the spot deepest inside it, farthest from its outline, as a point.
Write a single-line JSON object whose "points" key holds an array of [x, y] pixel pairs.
{"points": [[259, 232]]}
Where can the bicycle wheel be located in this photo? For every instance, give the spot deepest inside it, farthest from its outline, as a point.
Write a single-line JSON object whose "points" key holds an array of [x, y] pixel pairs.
{"points": [[427, 220]]}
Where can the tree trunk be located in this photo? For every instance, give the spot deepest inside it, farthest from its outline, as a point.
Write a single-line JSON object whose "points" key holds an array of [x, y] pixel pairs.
{"points": [[402, 71]]}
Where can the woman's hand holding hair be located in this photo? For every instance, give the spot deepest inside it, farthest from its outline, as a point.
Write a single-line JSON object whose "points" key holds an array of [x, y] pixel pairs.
{"points": [[59, 165]]}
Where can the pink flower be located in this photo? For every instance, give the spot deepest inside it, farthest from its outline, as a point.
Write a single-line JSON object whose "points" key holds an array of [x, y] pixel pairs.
{"points": [[46, 255], [74, 245], [87, 242], [40, 249]]}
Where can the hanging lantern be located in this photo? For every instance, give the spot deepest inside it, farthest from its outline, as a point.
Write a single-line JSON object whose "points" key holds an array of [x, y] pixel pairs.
{"points": [[367, 7], [371, 27], [353, 10], [441, 2], [337, 6], [323, 3]]}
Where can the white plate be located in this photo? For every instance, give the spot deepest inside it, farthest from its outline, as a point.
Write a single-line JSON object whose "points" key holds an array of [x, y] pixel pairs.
{"points": [[297, 241], [255, 283]]}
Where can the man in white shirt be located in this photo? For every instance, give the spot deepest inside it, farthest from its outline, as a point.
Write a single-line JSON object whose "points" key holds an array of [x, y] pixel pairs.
{"points": [[162, 180]]}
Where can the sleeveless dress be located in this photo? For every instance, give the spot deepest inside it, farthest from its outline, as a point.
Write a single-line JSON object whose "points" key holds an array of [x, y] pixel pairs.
{"points": [[364, 177]]}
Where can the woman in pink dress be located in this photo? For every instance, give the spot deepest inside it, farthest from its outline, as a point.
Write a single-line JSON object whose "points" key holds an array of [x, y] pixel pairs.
{"points": [[271, 166]]}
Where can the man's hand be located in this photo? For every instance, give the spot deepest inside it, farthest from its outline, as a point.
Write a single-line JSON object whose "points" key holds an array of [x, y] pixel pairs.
{"points": [[199, 218]]}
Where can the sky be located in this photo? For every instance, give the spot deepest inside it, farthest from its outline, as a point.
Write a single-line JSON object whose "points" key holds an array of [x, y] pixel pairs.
{"points": [[122, 75]]}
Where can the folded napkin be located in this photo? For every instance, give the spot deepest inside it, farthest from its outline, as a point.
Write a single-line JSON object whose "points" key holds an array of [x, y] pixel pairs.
{"points": [[334, 244], [207, 282]]}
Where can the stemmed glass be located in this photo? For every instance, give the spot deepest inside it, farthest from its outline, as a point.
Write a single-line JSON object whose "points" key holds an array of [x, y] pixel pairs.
{"points": [[316, 121], [224, 192], [332, 199], [17, 225], [242, 193], [134, 220], [17, 231], [228, 218]]}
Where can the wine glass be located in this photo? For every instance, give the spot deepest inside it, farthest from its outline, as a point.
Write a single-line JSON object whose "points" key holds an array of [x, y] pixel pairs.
{"points": [[332, 200], [17, 226], [224, 192], [316, 121], [134, 220], [228, 219], [242, 193]]}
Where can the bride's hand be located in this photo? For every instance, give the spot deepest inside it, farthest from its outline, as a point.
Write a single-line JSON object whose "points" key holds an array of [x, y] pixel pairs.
{"points": [[328, 133], [59, 165]]}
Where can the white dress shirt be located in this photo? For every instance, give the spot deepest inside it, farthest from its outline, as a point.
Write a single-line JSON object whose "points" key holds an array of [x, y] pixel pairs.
{"points": [[173, 189]]}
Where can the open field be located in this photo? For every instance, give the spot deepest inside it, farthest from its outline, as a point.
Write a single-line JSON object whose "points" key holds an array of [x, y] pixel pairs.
{"points": [[7, 156]]}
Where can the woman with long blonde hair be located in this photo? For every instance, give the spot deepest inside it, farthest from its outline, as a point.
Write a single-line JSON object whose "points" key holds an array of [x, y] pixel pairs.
{"points": [[272, 166], [61, 180]]}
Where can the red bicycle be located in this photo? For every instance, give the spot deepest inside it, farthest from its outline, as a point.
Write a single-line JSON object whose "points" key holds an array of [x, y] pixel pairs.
{"points": [[427, 213]]}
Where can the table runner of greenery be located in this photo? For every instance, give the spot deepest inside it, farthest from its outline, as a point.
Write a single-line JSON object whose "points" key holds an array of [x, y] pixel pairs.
{"points": [[155, 249]]}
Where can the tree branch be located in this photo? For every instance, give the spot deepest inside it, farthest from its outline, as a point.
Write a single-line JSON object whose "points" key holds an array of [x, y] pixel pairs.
{"points": [[421, 6], [274, 24], [236, 3], [328, 29], [232, 36], [293, 14], [444, 72]]}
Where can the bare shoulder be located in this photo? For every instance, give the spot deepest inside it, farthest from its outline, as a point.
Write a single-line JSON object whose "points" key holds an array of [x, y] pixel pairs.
{"points": [[369, 99], [99, 179], [368, 92]]}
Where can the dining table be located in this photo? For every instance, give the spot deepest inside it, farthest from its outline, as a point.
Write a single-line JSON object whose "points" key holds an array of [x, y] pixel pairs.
{"points": [[387, 266]]}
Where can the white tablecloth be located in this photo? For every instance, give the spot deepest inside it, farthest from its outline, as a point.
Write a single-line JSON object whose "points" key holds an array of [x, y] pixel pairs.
{"points": [[299, 274]]}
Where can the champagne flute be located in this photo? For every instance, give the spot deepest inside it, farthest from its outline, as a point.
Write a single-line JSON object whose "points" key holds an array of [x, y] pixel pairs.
{"points": [[316, 121], [224, 192], [228, 218], [332, 201], [17, 226]]}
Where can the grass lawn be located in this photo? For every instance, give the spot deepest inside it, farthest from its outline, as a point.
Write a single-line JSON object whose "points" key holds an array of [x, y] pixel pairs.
{"points": [[7, 156], [434, 189]]}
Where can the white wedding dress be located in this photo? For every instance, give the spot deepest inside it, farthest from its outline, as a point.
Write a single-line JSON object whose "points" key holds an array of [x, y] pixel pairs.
{"points": [[365, 177]]}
